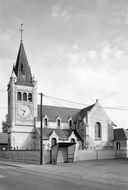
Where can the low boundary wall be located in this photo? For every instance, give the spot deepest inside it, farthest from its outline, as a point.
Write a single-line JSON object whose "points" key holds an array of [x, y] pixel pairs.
{"points": [[81, 155], [33, 156], [26, 156]]}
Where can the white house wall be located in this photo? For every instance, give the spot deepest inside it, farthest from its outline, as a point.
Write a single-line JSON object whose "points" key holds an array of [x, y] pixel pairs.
{"points": [[22, 140]]}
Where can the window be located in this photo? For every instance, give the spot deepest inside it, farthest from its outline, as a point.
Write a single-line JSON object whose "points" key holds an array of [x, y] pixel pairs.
{"points": [[53, 141], [72, 140], [30, 97], [98, 130], [19, 96], [45, 122], [58, 122], [118, 146], [70, 123], [24, 96]]}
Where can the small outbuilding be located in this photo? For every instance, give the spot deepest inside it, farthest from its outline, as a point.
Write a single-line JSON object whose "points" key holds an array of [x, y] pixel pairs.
{"points": [[121, 142]]}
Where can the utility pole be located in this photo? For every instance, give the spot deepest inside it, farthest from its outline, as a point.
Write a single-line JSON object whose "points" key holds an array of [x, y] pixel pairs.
{"points": [[86, 131], [41, 129]]}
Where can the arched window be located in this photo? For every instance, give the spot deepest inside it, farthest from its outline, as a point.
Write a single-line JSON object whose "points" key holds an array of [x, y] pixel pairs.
{"points": [[58, 122], [24, 96], [70, 123], [30, 97], [72, 140], [19, 96], [45, 122], [98, 130], [53, 141]]}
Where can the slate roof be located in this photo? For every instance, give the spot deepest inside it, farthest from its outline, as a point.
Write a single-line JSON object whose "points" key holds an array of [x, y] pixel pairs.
{"points": [[83, 112], [120, 134], [63, 134], [63, 112], [22, 69], [53, 112], [3, 138]]}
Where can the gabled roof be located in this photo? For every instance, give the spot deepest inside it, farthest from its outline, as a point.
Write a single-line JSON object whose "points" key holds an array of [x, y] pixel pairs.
{"points": [[53, 112], [22, 69], [83, 112], [3, 138], [120, 134], [63, 134]]}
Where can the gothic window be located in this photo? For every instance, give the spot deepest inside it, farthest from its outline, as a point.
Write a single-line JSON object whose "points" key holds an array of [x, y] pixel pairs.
{"points": [[53, 141], [98, 130], [30, 97], [24, 96], [19, 96], [45, 122]]}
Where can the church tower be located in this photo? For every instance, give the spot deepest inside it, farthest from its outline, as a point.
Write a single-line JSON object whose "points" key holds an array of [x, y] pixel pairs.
{"points": [[22, 103]]}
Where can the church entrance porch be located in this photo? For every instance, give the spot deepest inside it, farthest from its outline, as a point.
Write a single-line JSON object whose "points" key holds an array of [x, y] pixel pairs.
{"points": [[62, 152]]}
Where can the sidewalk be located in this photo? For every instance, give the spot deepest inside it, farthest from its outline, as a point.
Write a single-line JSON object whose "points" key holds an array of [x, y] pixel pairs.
{"points": [[106, 171]]}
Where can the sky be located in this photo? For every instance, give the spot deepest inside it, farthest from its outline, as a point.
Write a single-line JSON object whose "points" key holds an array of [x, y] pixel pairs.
{"points": [[77, 50]]}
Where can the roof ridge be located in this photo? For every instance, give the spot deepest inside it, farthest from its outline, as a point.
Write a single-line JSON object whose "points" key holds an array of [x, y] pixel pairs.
{"points": [[59, 107]]}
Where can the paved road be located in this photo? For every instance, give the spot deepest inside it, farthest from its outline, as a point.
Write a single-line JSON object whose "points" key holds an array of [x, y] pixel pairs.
{"points": [[18, 178]]}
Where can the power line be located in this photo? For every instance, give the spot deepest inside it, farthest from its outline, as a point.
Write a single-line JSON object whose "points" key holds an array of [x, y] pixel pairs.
{"points": [[124, 108], [64, 100], [54, 101], [119, 108]]}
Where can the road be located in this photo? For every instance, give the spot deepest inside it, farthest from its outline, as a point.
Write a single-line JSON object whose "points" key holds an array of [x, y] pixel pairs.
{"points": [[17, 178]]}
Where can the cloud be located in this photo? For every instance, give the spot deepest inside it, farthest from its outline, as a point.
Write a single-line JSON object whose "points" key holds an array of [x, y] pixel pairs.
{"points": [[92, 54], [58, 12]]}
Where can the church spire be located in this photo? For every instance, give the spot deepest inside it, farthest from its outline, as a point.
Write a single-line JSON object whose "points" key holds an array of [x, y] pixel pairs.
{"points": [[22, 69], [21, 31]]}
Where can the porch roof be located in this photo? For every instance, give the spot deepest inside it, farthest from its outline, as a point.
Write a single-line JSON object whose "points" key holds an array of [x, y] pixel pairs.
{"points": [[65, 144]]}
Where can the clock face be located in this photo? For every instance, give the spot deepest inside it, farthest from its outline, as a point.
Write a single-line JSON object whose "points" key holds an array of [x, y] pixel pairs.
{"points": [[24, 111]]}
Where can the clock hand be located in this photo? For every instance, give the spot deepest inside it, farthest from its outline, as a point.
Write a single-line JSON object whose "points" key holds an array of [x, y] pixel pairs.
{"points": [[23, 111]]}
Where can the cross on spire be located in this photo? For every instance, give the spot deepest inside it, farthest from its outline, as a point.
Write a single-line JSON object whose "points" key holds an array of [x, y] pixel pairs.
{"points": [[21, 30]]}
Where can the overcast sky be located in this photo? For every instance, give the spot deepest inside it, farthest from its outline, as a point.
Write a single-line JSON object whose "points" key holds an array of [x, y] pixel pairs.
{"points": [[77, 49]]}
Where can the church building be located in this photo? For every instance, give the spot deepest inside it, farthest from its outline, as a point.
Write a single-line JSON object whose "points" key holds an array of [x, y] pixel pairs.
{"points": [[87, 128]]}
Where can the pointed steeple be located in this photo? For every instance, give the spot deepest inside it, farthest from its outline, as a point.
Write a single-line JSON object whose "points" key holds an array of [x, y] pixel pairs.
{"points": [[22, 69]]}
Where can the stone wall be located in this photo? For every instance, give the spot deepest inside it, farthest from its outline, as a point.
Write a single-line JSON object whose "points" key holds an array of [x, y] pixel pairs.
{"points": [[26, 156], [29, 156], [81, 155]]}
